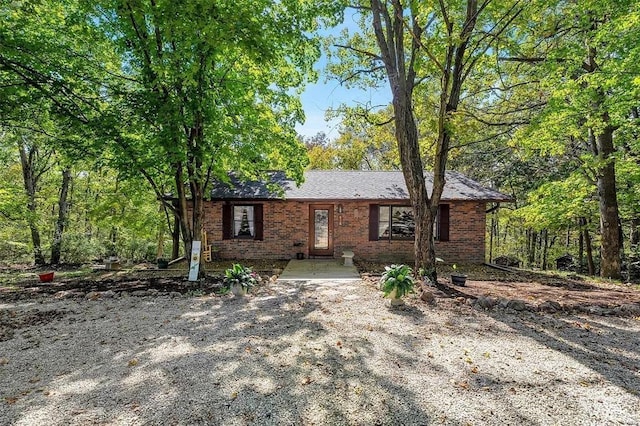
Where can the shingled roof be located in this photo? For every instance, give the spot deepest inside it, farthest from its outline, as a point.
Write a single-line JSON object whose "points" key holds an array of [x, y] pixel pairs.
{"points": [[349, 185]]}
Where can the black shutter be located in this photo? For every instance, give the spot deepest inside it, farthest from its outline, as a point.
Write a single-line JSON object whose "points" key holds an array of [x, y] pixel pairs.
{"points": [[258, 222], [443, 216], [227, 227], [374, 225]]}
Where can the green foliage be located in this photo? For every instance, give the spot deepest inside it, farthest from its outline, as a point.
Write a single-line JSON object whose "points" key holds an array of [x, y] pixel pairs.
{"points": [[558, 204], [398, 279], [242, 275]]}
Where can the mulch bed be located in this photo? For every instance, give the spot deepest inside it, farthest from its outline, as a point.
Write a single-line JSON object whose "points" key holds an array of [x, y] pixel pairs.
{"points": [[489, 288], [142, 280], [486, 287]]}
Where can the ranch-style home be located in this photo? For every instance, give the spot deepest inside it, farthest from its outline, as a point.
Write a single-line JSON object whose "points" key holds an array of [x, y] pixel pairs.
{"points": [[366, 212]]}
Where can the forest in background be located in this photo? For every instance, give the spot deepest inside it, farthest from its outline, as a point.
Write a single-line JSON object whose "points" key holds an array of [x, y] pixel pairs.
{"points": [[107, 106]]}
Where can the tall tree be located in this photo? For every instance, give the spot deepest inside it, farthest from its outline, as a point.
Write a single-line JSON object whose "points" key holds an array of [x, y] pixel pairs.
{"points": [[210, 88], [586, 57], [442, 44]]}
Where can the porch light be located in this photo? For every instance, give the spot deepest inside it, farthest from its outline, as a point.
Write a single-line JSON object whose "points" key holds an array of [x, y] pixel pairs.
{"points": [[340, 209]]}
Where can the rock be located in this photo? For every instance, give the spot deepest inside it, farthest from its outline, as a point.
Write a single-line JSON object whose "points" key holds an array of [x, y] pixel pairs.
{"points": [[595, 310], [630, 309], [502, 303], [109, 294], [67, 294], [516, 305], [550, 306], [427, 296], [486, 303], [92, 295], [139, 293]]}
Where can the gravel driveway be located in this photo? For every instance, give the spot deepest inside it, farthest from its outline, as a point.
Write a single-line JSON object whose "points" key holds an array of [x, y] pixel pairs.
{"points": [[323, 353]]}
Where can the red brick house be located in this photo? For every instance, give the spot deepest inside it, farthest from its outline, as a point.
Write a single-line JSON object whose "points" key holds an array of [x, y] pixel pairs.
{"points": [[367, 212]]}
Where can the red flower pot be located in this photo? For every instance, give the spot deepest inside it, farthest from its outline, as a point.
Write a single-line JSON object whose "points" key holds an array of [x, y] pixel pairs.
{"points": [[47, 277]]}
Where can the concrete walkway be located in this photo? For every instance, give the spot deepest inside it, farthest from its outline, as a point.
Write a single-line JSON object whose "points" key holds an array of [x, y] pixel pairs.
{"points": [[318, 269]]}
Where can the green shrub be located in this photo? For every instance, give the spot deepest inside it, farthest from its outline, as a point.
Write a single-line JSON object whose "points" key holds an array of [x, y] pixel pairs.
{"points": [[78, 248]]}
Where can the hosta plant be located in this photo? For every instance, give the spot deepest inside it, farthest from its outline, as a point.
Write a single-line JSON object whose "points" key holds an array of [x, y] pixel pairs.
{"points": [[397, 281], [240, 275]]}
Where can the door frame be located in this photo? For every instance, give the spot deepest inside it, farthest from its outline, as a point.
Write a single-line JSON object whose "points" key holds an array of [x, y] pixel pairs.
{"points": [[312, 230]]}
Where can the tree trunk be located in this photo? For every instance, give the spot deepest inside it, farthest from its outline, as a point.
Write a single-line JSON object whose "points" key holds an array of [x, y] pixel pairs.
{"points": [[582, 223], [545, 249], [587, 243], [492, 229], [175, 237], [533, 240], [601, 140], [610, 266], [63, 209], [30, 177], [182, 210], [634, 234]]}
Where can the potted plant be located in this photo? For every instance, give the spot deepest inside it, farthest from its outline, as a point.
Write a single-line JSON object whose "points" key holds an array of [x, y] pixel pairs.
{"points": [[397, 281], [458, 278], [240, 279]]}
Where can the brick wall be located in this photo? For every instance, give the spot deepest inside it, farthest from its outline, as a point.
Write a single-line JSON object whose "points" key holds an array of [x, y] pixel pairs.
{"points": [[286, 229]]}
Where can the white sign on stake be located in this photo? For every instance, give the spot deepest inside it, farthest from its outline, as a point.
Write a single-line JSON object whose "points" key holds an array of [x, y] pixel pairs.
{"points": [[194, 268]]}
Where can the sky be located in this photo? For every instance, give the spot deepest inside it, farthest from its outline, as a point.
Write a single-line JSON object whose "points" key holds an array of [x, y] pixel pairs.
{"points": [[326, 94], [319, 97]]}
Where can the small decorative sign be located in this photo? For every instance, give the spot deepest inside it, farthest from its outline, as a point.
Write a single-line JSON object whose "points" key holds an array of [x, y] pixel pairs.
{"points": [[194, 268]]}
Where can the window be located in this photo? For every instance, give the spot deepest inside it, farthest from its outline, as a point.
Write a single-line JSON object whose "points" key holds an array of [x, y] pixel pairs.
{"points": [[398, 223], [242, 221]]}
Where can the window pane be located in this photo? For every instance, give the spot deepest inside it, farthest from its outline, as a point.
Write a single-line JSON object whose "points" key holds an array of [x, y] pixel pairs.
{"points": [[321, 223], [383, 217], [403, 225], [243, 222]]}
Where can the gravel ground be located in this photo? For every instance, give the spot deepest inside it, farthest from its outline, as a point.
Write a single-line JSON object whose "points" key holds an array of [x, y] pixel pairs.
{"points": [[325, 353]]}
